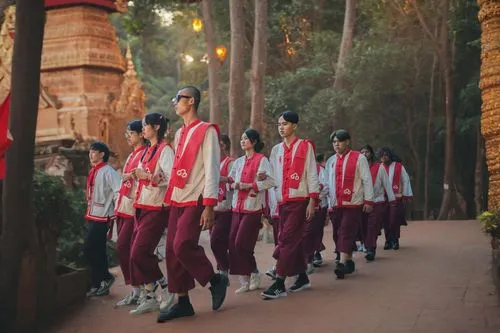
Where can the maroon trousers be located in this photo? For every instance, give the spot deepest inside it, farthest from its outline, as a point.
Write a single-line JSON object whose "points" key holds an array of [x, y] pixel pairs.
{"points": [[186, 259], [396, 218], [313, 233], [373, 225], [149, 227], [276, 231], [289, 253], [244, 234], [125, 231], [335, 226], [219, 239], [347, 221]]}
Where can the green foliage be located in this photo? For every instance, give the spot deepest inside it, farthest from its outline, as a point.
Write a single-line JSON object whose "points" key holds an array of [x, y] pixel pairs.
{"points": [[65, 210], [490, 222]]}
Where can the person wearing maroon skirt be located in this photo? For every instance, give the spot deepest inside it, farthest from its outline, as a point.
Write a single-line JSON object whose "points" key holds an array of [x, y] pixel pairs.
{"points": [[125, 211], [219, 233], [297, 192], [399, 182], [313, 235], [372, 222], [248, 202], [153, 174], [192, 194], [350, 194]]}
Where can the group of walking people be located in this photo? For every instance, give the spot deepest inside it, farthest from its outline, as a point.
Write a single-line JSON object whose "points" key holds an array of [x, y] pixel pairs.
{"points": [[194, 185]]}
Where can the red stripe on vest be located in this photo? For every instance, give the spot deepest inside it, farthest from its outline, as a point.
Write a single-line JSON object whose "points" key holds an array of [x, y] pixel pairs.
{"points": [[132, 163], [183, 164], [296, 169], [91, 179], [224, 172], [248, 175], [345, 180], [149, 164], [374, 171], [396, 178]]}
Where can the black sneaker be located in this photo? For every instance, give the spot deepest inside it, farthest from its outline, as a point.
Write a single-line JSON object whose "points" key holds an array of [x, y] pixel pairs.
{"points": [[370, 256], [340, 271], [388, 245], [276, 290], [317, 259], [300, 284], [174, 312], [105, 287], [395, 245], [351, 267], [219, 292]]}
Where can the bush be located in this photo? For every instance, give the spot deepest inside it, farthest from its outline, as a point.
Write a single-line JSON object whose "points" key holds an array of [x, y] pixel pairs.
{"points": [[490, 223], [65, 209]]}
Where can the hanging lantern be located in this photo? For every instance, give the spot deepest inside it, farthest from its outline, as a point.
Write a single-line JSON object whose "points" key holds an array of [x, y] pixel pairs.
{"points": [[197, 25], [221, 53]]}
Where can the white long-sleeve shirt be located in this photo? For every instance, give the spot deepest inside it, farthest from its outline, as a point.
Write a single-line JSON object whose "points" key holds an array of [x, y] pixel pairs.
{"points": [[281, 159], [102, 195], [362, 190], [382, 184], [204, 173], [255, 201], [403, 189]]}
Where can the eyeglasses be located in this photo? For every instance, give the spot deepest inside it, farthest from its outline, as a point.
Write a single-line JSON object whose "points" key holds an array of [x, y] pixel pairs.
{"points": [[178, 97]]}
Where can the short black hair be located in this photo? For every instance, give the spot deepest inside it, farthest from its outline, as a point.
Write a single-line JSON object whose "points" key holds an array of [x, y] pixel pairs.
{"points": [[254, 138], [341, 135], [290, 116], [320, 158], [195, 93], [102, 148], [135, 126]]}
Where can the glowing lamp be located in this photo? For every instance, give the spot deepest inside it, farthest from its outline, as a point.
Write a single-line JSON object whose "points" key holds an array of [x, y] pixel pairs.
{"points": [[221, 53], [197, 25]]}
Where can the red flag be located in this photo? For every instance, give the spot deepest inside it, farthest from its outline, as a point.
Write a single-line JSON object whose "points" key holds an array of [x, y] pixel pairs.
{"points": [[5, 136]]}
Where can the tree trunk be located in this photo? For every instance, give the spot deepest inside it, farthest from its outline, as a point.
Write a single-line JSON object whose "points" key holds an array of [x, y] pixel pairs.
{"points": [[19, 273], [478, 174], [345, 47], [430, 117], [259, 62], [213, 63], [450, 197], [236, 74]]}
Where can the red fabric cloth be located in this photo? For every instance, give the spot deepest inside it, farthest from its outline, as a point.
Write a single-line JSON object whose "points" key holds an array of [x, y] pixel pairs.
{"points": [[4, 140]]}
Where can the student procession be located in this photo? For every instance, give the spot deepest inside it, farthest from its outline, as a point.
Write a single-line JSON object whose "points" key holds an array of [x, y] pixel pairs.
{"points": [[193, 184]]}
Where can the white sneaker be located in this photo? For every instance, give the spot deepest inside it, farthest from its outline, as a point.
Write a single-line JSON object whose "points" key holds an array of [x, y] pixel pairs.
{"points": [[254, 281], [244, 285], [127, 301], [148, 305], [310, 269], [166, 299]]}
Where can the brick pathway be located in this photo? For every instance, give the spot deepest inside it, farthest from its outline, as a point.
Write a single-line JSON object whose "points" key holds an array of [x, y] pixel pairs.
{"points": [[440, 281]]}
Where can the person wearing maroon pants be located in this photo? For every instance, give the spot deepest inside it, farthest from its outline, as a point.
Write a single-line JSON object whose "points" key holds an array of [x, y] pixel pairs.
{"points": [[219, 233], [350, 195], [297, 192], [373, 220], [248, 202], [313, 235], [125, 211], [399, 182], [153, 174], [193, 193]]}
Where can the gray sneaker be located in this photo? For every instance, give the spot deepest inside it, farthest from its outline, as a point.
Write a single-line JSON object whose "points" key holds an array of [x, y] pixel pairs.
{"points": [[105, 287], [128, 300]]}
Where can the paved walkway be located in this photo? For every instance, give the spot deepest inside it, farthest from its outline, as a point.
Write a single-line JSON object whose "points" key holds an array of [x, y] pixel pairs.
{"points": [[440, 281]]}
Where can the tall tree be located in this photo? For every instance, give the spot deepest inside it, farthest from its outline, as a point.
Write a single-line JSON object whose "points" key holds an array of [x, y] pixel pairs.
{"points": [[259, 62], [345, 47], [21, 271], [213, 64], [236, 73]]}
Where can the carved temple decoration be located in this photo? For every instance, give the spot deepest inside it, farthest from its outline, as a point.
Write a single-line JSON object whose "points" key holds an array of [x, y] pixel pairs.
{"points": [[489, 17], [88, 90]]}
